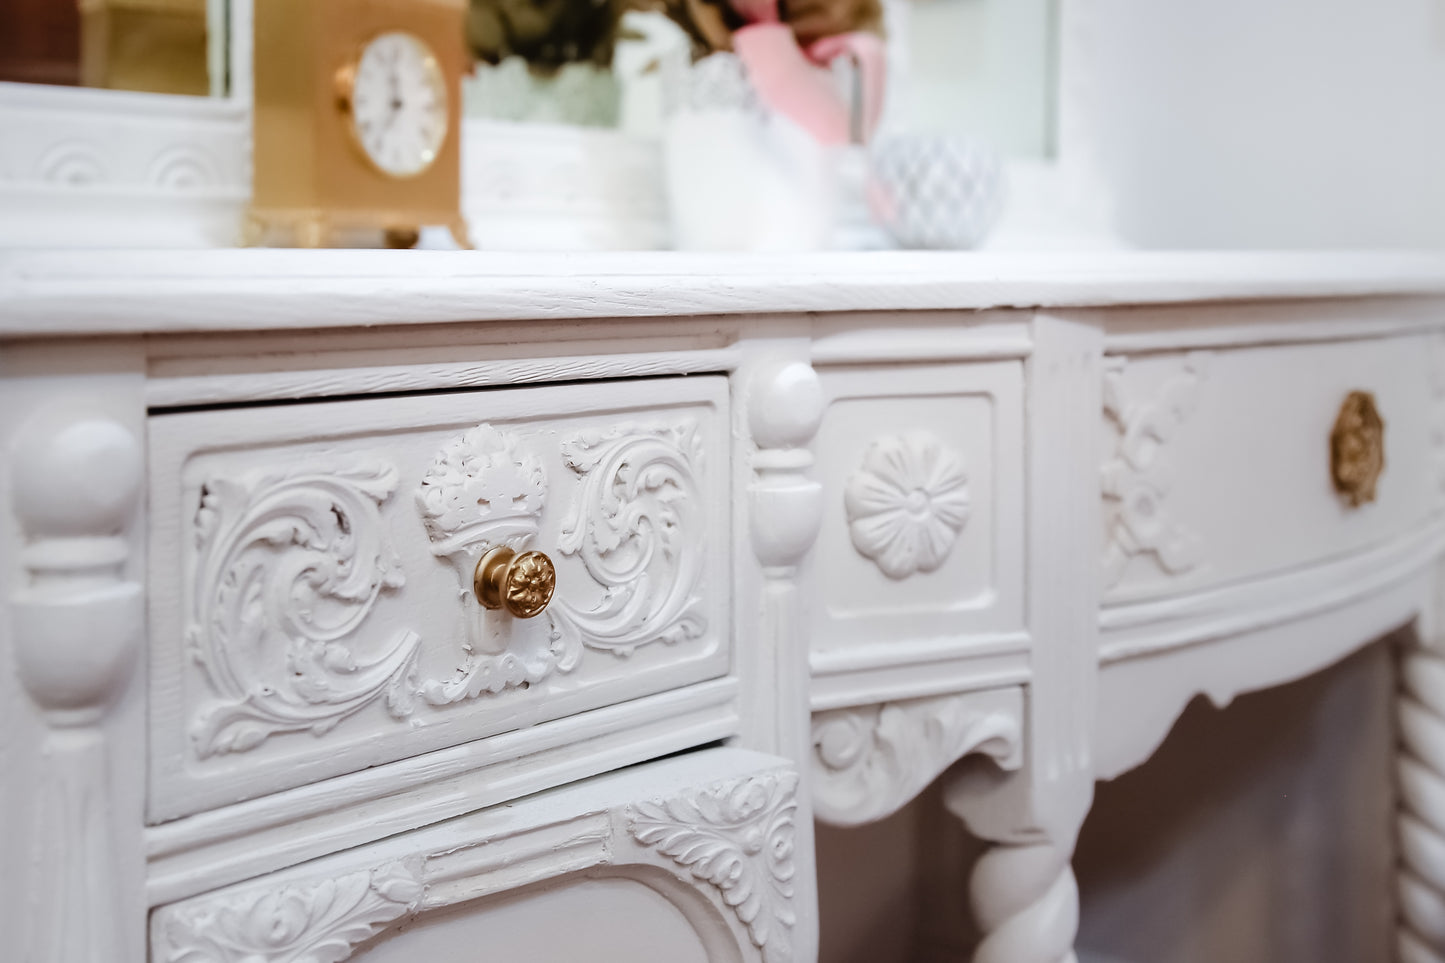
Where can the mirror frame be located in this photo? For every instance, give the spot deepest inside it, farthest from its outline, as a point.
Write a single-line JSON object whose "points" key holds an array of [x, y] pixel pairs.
{"points": [[114, 168]]}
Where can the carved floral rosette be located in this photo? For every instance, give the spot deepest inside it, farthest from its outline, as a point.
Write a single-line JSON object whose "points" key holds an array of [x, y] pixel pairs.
{"points": [[907, 503], [305, 922], [737, 836], [289, 562]]}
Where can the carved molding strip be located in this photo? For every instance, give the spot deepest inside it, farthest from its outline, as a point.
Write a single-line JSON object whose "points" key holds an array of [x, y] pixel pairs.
{"points": [[738, 837], [907, 503], [870, 761], [317, 921], [1137, 480], [290, 561]]}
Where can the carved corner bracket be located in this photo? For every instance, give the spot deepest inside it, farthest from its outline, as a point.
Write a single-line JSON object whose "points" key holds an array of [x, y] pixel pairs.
{"points": [[870, 761], [737, 836]]}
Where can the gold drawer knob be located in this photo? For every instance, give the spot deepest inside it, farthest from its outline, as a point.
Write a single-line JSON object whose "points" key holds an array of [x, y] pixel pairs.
{"points": [[521, 584], [1357, 448]]}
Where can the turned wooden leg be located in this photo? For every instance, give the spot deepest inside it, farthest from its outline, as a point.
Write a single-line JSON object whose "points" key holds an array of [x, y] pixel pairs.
{"points": [[1027, 904], [1422, 808]]}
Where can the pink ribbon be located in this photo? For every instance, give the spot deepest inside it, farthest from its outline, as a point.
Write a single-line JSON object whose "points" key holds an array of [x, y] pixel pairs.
{"points": [[789, 81]]}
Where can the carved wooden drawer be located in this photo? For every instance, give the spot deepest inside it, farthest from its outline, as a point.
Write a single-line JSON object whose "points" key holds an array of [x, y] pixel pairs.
{"points": [[1223, 465], [686, 859], [312, 608]]}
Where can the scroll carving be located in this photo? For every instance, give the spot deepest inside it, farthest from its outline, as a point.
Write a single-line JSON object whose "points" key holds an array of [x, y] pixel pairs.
{"points": [[908, 503], [1137, 480], [870, 761], [483, 492], [737, 836], [290, 561], [637, 527], [319, 921]]}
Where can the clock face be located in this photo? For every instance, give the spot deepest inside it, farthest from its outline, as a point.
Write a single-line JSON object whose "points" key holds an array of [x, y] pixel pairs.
{"points": [[399, 104]]}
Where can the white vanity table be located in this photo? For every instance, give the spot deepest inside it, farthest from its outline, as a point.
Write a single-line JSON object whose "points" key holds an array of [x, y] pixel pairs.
{"points": [[821, 527]]}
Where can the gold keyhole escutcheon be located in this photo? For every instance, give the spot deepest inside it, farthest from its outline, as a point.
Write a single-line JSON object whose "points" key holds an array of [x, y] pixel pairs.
{"points": [[521, 584], [1357, 448]]}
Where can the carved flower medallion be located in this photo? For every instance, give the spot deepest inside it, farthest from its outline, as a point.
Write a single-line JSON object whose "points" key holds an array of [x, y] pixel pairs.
{"points": [[908, 503]]}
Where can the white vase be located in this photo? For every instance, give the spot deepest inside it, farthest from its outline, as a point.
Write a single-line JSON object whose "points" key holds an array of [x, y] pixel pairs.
{"points": [[741, 177]]}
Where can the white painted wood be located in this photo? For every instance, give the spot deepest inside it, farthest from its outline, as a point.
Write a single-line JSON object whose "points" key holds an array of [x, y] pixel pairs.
{"points": [[780, 404], [847, 512], [923, 505], [1420, 715], [72, 585], [1217, 470], [1023, 892], [232, 843], [83, 168], [52, 293], [710, 833], [312, 607]]}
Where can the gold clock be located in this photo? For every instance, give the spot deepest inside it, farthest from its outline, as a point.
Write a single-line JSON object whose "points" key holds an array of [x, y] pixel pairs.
{"points": [[357, 109]]}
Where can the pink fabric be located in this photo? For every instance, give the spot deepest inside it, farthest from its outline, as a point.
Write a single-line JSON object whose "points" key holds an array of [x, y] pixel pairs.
{"points": [[789, 81]]}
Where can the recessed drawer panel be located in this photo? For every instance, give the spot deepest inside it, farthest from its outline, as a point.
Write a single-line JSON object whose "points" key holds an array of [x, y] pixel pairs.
{"points": [[313, 609], [1220, 466], [921, 550]]}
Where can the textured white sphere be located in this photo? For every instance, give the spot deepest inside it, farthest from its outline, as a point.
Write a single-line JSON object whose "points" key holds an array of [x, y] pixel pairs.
{"points": [[77, 477]]}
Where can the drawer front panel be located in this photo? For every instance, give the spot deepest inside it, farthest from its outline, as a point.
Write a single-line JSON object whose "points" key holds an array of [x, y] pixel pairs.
{"points": [[1217, 465], [312, 606], [686, 859]]}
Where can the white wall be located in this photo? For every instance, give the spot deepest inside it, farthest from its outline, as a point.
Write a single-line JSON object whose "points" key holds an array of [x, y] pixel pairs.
{"points": [[1261, 123]]}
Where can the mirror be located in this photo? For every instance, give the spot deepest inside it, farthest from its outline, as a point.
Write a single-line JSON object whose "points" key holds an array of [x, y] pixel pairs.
{"points": [[985, 69], [156, 46]]}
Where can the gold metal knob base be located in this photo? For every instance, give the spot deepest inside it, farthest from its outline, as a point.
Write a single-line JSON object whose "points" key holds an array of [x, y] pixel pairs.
{"points": [[521, 584], [1357, 448]]}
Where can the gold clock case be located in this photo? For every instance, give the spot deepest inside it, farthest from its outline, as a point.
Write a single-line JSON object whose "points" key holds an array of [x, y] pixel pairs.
{"points": [[311, 184]]}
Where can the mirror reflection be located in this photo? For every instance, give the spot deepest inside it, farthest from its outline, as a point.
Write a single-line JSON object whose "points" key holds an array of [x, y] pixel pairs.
{"points": [[157, 46]]}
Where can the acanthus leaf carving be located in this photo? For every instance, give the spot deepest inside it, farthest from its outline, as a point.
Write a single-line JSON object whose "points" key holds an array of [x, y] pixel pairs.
{"points": [[484, 491], [1137, 480], [907, 503], [738, 837], [290, 562], [637, 527], [315, 921], [869, 761]]}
